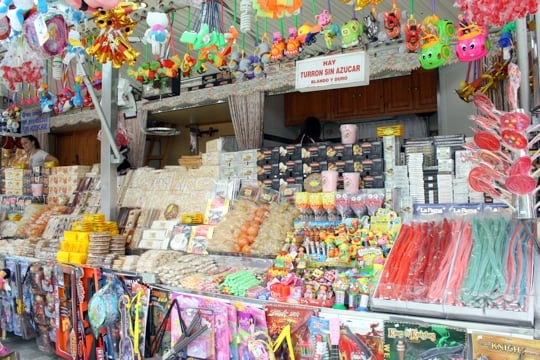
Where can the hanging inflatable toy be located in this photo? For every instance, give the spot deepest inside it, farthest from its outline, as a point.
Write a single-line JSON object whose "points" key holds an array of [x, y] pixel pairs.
{"points": [[91, 6]]}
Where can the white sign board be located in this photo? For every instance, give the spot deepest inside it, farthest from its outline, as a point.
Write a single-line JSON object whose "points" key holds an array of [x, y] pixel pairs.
{"points": [[332, 72]]}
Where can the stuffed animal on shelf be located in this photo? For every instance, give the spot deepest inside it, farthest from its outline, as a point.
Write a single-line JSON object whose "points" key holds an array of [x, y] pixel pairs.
{"points": [[46, 99]]}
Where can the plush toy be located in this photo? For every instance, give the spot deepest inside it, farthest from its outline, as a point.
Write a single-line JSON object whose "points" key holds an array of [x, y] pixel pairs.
{"points": [[264, 53], [234, 60], [157, 34], [278, 47], [46, 99], [329, 30], [75, 48], [293, 46], [77, 99]]}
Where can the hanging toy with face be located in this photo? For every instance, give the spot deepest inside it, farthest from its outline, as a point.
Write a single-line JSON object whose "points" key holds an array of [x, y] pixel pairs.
{"points": [[412, 35], [472, 41], [351, 33], [278, 47], [392, 23], [157, 34], [371, 27]]}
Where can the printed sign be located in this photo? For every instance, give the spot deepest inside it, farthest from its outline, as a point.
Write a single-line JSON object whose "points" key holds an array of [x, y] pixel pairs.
{"points": [[332, 72], [34, 121]]}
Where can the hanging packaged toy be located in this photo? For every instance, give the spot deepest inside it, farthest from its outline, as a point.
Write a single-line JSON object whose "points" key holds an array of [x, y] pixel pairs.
{"points": [[54, 41]]}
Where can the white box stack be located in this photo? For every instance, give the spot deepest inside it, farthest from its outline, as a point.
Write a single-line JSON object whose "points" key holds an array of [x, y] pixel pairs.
{"points": [[416, 177]]}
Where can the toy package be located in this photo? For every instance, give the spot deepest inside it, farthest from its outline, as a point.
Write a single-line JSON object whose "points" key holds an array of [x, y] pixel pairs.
{"points": [[253, 339], [361, 339], [141, 298], [414, 341], [288, 326], [213, 343], [159, 303]]}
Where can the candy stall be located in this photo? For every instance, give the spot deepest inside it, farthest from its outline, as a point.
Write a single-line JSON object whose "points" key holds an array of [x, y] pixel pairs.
{"points": [[383, 247]]}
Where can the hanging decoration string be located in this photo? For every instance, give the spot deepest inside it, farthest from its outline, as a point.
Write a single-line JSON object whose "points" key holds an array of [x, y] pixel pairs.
{"points": [[171, 23], [258, 39], [314, 8], [353, 7], [411, 9], [281, 27], [329, 6]]}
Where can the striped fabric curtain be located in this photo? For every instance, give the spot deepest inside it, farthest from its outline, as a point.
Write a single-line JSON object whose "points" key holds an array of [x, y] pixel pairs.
{"points": [[247, 117], [138, 138]]}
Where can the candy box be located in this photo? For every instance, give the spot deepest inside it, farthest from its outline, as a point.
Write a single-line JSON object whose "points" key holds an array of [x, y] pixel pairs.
{"points": [[409, 340], [509, 348]]}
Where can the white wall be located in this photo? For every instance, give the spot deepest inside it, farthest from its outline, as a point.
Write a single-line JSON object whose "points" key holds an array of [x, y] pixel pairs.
{"points": [[453, 112]]}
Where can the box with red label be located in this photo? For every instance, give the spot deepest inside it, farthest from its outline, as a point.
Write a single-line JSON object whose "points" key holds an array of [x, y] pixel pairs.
{"points": [[371, 149], [335, 152], [372, 167], [264, 156], [373, 182]]}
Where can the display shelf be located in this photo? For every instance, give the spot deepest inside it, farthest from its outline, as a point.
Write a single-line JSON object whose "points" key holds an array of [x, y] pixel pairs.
{"points": [[346, 315]]}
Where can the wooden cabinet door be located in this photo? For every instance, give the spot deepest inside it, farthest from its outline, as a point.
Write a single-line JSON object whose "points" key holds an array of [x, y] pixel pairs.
{"points": [[344, 103], [398, 96], [425, 90], [79, 147], [372, 99], [358, 102], [298, 106]]}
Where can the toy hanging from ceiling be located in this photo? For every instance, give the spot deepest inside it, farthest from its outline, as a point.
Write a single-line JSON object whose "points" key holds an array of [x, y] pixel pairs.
{"points": [[413, 31], [435, 40], [472, 40], [208, 39], [91, 6], [157, 34], [112, 44], [276, 9], [351, 31], [392, 22]]}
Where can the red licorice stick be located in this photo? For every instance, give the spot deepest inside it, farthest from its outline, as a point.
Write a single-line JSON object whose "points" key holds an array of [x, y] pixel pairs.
{"points": [[385, 286], [457, 274]]}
